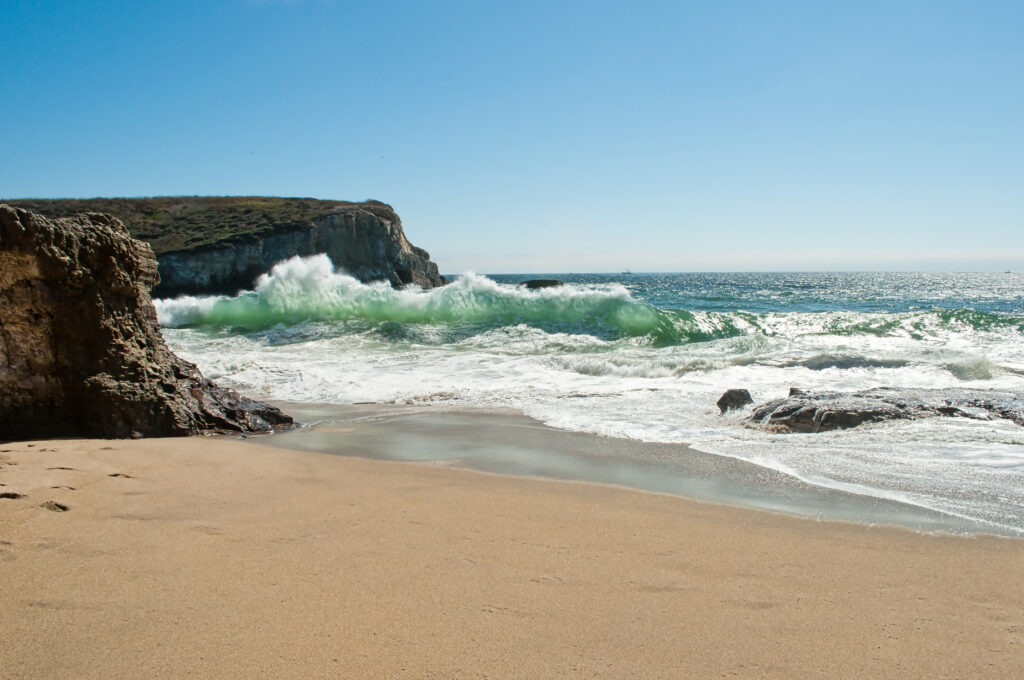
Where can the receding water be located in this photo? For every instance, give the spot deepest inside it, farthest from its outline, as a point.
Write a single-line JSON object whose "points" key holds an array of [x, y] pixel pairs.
{"points": [[509, 443]]}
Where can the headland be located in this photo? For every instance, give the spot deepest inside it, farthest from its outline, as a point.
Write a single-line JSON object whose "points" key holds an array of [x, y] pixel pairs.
{"points": [[221, 244]]}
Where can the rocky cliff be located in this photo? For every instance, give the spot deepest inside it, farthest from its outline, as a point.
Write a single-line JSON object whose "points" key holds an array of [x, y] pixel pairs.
{"points": [[221, 244], [80, 350], [363, 244]]}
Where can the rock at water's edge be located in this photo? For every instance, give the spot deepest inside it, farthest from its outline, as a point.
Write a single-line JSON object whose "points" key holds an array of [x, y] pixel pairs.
{"points": [[81, 352], [734, 398], [823, 411]]}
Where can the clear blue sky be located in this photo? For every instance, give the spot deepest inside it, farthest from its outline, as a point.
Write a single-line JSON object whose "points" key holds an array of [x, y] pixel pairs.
{"points": [[523, 136]]}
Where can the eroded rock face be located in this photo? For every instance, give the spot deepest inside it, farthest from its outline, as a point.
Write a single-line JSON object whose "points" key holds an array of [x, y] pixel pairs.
{"points": [[822, 411], [360, 242], [80, 349]]}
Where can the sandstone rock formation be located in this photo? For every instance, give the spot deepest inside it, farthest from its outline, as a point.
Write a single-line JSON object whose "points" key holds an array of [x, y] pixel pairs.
{"points": [[821, 411], [80, 350], [369, 245]]}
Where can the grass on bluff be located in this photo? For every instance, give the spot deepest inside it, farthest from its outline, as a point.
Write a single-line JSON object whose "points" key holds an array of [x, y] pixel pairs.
{"points": [[177, 223]]}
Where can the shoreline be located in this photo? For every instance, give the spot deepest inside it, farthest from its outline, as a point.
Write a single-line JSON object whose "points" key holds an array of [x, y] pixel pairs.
{"points": [[214, 557], [508, 442]]}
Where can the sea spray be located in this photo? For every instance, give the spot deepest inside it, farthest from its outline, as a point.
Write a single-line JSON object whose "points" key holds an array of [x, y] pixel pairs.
{"points": [[308, 289]]}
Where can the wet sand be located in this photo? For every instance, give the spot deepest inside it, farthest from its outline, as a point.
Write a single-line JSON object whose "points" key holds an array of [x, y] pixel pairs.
{"points": [[211, 557], [508, 442]]}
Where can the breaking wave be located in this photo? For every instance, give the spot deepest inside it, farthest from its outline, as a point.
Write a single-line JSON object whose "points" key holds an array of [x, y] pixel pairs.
{"points": [[308, 289]]}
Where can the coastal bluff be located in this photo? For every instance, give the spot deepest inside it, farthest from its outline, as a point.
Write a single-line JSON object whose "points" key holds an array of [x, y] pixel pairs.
{"points": [[81, 354], [221, 244]]}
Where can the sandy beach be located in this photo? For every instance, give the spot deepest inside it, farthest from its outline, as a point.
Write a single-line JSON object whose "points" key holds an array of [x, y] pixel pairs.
{"points": [[215, 558]]}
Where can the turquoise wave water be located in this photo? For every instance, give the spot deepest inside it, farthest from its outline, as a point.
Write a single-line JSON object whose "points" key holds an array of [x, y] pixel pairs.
{"points": [[308, 290]]}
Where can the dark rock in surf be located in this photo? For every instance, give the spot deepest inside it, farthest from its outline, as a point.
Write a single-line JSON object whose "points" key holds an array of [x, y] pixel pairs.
{"points": [[533, 284], [81, 352], [732, 399], [823, 411]]}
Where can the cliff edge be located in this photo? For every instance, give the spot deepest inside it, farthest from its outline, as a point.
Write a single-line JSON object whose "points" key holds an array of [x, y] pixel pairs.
{"points": [[81, 352], [208, 245]]}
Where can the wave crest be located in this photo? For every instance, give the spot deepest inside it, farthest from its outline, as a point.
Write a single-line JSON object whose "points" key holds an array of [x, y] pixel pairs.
{"points": [[308, 289]]}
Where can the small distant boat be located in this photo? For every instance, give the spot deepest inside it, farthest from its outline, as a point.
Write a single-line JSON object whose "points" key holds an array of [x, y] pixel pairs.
{"points": [[627, 272]]}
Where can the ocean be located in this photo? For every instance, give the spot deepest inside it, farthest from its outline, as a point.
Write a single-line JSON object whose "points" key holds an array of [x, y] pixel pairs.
{"points": [[645, 356]]}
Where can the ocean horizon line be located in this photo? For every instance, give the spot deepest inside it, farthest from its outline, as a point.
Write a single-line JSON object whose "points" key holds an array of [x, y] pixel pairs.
{"points": [[568, 272]]}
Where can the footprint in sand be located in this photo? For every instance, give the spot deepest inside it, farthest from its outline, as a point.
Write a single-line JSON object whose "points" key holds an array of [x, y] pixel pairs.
{"points": [[11, 495], [546, 579], [120, 474], [69, 488], [60, 468], [54, 506], [208, 530]]}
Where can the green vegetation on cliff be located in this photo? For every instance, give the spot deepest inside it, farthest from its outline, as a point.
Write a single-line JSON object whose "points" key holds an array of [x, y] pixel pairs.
{"points": [[182, 223]]}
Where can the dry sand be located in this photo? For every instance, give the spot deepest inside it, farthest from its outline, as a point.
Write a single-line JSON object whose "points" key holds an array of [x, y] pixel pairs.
{"points": [[212, 558]]}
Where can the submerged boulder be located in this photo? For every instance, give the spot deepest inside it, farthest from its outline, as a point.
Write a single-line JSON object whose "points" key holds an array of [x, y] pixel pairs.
{"points": [[804, 411], [81, 352]]}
